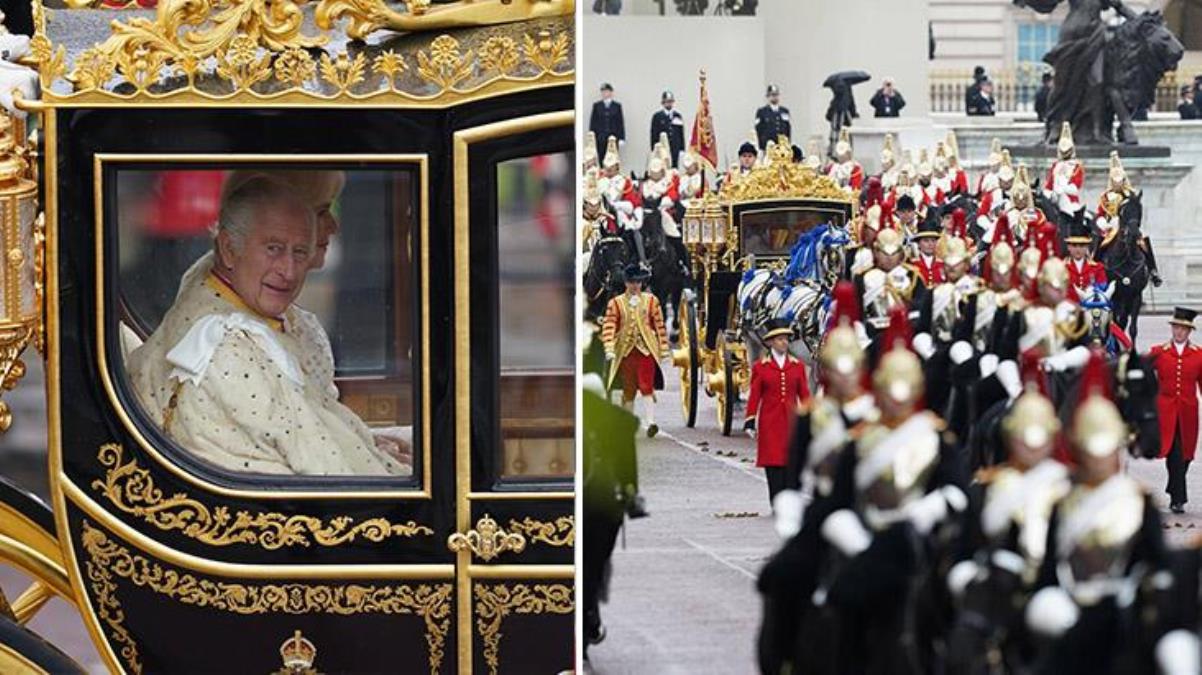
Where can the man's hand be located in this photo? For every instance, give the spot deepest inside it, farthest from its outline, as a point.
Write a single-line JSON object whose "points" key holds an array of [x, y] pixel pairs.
{"points": [[1156, 280], [749, 427], [609, 356]]}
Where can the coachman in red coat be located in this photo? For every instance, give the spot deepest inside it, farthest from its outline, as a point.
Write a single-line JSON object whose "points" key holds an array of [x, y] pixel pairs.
{"points": [[778, 387], [1179, 370]]}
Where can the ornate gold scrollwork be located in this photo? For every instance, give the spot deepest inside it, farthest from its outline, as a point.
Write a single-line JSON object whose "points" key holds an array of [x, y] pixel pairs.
{"points": [[561, 532], [494, 602], [487, 540], [109, 561], [132, 490], [259, 53], [779, 178], [368, 16]]}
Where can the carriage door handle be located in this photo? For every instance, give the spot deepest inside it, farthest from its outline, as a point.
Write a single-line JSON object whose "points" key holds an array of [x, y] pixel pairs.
{"points": [[487, 540]]}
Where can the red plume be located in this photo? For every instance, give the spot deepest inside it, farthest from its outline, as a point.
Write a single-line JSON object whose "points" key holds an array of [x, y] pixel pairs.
{"points": [[887, 215], [846, 306], [1001, 232], [1032, 373], [874, 193], [959, 223], [1094, 379], [899, 330]]}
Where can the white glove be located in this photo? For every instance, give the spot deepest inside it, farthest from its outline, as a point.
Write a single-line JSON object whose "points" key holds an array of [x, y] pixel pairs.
{"points": [[609, 356], [789, 511], [1007, 374], [666, 203], [1073, 358], [929, 511], [845, 532], [988, 365], [750, 433], [924, 345], [960, 352], [1177, 653], [960, 575], [1051, 612]]}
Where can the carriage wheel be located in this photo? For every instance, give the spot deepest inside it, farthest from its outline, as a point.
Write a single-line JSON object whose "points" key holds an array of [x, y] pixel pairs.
{"points": [[729, 394], [689, 370]]}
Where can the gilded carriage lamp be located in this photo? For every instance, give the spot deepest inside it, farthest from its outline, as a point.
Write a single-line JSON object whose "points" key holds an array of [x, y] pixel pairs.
{"points": [[20, 284]]}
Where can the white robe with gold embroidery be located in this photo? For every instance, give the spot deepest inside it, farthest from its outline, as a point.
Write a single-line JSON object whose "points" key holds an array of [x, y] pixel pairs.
{"points": [[248, 397]]}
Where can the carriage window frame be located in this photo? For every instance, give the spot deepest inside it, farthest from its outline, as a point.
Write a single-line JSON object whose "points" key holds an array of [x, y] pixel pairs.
{"points": [[178, 459], [844, 213]]}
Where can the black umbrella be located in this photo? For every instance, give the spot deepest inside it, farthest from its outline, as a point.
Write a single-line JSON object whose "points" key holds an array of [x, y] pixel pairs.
{"points": [[848, 77]]}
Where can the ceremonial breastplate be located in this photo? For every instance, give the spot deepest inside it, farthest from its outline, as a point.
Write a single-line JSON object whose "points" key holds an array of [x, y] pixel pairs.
{"points": [[1052, 329], [944, 311], [884, 291], [827, 432], [883, 500], [1096, 537], [1026, 502]]}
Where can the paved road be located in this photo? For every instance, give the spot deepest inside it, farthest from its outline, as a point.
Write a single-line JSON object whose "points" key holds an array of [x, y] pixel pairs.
{"points": [[683, 594]]}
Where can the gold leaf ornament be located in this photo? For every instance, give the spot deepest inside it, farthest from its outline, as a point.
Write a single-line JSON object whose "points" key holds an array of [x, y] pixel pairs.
{"points": [[561, 532], [444, 65], [389, 65], [343, 72], [295, 67], [109, 561], [93, 69], [499, 53], [132, 490], [241, 64], [547, 52], [495, 602]]}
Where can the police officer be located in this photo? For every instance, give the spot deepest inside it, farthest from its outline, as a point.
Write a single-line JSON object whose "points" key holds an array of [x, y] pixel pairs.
{"points": [[772, 120], [668, 120], [607, 119]]}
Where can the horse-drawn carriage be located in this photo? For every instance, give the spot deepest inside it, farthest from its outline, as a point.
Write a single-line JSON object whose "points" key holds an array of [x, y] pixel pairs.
{"points": [[769, 244], [438, 313]]}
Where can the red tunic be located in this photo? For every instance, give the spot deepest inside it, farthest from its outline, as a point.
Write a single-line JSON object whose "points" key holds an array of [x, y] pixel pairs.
{"points": [[1180, 377], [931, 275], [1042, 234], [775, 395], [1091, 273]]}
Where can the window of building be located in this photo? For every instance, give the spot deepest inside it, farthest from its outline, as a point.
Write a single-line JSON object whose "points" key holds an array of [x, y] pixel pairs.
{"points": [[1035, 40]]}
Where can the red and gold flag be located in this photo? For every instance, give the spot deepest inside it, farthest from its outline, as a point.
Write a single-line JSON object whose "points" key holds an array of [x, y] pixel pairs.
{"points": [[703, 142]]}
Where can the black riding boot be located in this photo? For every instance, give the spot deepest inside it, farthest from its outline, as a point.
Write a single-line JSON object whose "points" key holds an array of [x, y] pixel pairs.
{"points": [[1153, 269]]}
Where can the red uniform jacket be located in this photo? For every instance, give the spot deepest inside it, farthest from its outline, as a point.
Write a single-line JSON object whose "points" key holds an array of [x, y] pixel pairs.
{"points": [[1077, 178], [1091, 273], [1042, 234], [931, 275], [1180, 377], [959, 181], [775, 395]]}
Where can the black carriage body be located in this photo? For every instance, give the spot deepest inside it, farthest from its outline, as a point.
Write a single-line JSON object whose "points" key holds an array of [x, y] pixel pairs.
{"points": [[184, 568]]}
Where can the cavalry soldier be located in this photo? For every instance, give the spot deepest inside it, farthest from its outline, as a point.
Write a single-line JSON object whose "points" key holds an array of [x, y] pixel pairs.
{"points": [[599, 220], [995, 166], [889, 168], [772, 120], [859, 255], [591, 160], [942, 309], [1000, 296], [882, 532], [816, 446], [778, 388], [1104, 547], [907, 216], [635, 341], [931, 195], [925, 261], [1006, 534], [889, 284], [1083, 273], [959, 177], [1118, 189], [1178, 365], [623, 198], [995, 196], [1031, 225], [943, 177], [691, 184], [662, 188], [1053, 328], [846, 171], [668, 120], [1066, 176]]}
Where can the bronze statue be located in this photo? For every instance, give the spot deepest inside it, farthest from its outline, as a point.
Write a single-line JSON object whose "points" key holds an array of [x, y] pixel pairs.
{"points": [[1104, 72]]}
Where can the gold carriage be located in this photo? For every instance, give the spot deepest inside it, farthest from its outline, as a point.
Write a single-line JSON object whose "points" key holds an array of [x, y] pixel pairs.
{"points": [[446, 298], [752, 222]]}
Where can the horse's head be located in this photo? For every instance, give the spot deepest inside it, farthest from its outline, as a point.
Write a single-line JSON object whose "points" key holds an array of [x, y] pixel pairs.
{"points": [[609, 261], [1136, 397], [1131, 217], [833, 249], [1096, 306]]}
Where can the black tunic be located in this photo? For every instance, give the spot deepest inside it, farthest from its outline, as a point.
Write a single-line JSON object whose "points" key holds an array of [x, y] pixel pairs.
{"points": [[671, 123], [770, 124], [607, 121]]}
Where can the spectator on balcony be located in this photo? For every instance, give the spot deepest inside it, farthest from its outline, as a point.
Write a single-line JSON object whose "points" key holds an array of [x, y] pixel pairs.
{"points": [[1187, 107], [607, 119], [974, 89], [981, 101], [612, 7], [887, 101], [1041, 98]]}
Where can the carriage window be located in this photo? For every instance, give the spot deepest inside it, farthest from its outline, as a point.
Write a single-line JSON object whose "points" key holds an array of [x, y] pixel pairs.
{"points": [[265, 312], [536, 265], [774, 232]]}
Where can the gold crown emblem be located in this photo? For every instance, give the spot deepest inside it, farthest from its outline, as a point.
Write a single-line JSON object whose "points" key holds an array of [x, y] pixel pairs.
{"points": [[298, 654]]}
